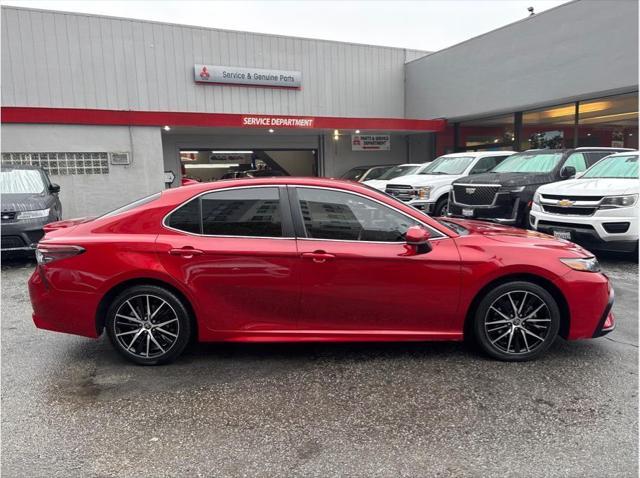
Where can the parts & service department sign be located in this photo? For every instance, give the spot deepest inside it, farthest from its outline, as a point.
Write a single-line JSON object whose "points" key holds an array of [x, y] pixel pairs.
{"points": [[370, 142]]}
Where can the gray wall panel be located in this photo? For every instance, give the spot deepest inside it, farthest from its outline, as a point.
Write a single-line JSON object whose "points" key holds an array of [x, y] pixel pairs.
{"points": [[575, 50], [56, 59]]}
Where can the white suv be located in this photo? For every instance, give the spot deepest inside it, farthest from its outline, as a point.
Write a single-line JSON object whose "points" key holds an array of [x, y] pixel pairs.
{"points": [[428, 189], [598, 209]]}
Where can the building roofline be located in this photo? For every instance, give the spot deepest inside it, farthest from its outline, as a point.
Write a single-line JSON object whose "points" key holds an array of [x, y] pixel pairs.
{"points": [[199, 27], [525, 19]]}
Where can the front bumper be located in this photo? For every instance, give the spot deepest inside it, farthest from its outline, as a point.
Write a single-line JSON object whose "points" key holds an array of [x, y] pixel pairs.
{"points": [[507, 210], [591, 231], [21, 235], [422, 205]]}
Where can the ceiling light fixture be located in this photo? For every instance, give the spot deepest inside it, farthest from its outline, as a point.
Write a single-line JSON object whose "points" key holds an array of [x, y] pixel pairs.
{"points": [[271, 131], [167, 128]]}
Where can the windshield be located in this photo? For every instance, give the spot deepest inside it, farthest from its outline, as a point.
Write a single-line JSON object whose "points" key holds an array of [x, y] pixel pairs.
{"points": [[398, 171], [21, 181], [445, 165], [354, 174], [614, 167], [529, 163]]}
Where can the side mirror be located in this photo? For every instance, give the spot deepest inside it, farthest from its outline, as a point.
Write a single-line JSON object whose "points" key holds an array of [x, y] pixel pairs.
{"points": [[567, 172], [54, 188], [417, 240]]}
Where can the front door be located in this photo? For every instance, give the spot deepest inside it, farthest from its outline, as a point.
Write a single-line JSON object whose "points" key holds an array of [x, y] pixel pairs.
{"points": [[235, 253], [356, 276]]}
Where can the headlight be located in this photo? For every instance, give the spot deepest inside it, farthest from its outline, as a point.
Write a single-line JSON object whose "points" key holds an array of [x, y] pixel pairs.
{"points": [[423, 193], [519, 189], [611, 202], [33, 214], [588, 264], [536, 198]]}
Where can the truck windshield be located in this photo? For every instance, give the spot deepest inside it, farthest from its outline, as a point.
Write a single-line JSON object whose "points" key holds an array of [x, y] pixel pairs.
{"points": [[538, 162], [398, 171], [614, 167], [444, 165], [21, 181]]}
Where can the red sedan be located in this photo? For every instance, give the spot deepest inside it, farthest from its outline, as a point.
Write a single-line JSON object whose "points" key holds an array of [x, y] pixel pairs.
{"points": [[302, 259]]}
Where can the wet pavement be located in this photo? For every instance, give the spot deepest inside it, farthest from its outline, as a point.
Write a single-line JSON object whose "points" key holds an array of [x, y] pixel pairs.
{"points": [[72, 407]]}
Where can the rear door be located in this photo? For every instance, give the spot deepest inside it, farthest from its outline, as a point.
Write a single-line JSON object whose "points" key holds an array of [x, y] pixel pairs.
{"points": [[235, 250], [356, 275]]}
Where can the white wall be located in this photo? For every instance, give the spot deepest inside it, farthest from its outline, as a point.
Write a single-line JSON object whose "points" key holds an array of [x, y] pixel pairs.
{"points": [[578, 50], [56, 59], [88, 195]]}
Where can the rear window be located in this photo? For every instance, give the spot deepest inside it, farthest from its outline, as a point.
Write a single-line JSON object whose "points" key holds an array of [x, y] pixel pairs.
{"points": [[132, 205], [246, 212]]}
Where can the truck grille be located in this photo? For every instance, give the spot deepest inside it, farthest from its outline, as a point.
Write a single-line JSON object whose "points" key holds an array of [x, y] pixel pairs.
{"points": [[569, 211], [404, 192], [8, 215], [472, 195], [571, 198]]}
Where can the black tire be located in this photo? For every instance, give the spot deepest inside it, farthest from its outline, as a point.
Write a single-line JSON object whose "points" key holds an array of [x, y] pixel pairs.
{"points": [[521, 342], [128, 316], [441, 206]]}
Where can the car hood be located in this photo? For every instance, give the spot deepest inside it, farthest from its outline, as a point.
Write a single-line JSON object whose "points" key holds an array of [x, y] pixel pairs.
{"points": [[509, 179], [515, 236], [377, 183], [592, 187], [24, 202], [417, 180]]}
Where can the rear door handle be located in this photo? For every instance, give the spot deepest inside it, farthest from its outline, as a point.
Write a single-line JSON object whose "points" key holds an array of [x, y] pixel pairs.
{"points": [[187, 252], [318, 256]]}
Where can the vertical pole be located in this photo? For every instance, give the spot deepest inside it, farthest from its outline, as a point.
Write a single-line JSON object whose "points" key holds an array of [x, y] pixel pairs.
{"points": [[576, 125], [517, 130]]}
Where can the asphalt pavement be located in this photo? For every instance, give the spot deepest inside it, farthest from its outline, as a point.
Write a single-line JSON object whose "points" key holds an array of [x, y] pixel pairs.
{"points": [[72, 407]]}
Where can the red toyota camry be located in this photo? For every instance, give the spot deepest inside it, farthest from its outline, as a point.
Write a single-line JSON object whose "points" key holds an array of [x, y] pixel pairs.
{"points": [[309, 259]]}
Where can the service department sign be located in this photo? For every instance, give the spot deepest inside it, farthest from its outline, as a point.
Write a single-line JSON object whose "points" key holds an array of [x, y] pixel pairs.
{"points": [[235, 75]]}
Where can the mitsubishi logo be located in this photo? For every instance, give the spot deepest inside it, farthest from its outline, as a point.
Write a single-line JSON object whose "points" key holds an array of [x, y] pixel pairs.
{"points": [[566, 203], [470, 190]]}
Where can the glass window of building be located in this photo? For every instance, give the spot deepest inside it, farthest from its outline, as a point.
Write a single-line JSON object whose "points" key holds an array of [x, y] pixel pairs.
{"points": [[610, 121], [548, 128], [487, 134]]}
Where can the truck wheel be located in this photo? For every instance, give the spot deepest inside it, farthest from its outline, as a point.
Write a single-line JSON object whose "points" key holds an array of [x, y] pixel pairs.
{"points": [[442, 207]]}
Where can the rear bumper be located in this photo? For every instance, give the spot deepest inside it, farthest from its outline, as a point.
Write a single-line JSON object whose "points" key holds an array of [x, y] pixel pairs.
{"points": [[62, 311]]}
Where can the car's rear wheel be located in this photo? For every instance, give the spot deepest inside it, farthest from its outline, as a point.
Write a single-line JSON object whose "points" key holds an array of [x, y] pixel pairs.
{"points": [[148, 325], [517, 321]]}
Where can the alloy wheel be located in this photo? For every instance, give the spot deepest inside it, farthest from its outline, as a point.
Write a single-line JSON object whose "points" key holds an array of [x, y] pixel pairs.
{"points": [[518, 322], [146, 326]]}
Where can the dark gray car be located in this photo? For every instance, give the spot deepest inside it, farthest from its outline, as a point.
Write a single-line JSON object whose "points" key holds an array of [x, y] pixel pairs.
{"points": [[29, 201]]}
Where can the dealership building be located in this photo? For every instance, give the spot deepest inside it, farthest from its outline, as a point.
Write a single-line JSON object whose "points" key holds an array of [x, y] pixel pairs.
{"points": [[118, 108]]}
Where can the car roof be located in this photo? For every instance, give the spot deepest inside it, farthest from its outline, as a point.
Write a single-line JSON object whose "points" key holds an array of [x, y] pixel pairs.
{"points": [[631, 152], [477, 154]]}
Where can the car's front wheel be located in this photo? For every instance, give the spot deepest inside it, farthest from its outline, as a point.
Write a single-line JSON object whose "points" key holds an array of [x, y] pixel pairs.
{"points": [[517, 321], [148, 325]]}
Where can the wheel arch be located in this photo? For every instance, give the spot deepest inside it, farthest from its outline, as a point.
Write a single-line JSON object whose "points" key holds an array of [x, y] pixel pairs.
{"points": [[565, 318], [103, 305]]}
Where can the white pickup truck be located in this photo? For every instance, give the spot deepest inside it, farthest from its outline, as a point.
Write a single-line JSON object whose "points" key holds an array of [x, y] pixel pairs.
{"points": [[428, 190]]}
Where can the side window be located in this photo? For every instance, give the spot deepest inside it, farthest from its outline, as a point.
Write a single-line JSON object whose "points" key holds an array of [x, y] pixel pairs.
{"points": [[578, 161], [375, 173], [344, 216], [486, 164], [235, 212], [187, 217], [242, 212], [593, 158]]}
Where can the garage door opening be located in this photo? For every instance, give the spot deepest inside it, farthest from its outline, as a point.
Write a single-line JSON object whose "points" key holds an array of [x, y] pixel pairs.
{"points": [[212, 165]]}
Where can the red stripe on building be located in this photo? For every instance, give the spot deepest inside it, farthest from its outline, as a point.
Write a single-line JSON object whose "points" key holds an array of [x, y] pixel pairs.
{"points": [[11, 114]]}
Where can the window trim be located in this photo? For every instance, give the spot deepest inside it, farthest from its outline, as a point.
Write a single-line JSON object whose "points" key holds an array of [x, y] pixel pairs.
{"points": [[301, 231], [285, 214]]}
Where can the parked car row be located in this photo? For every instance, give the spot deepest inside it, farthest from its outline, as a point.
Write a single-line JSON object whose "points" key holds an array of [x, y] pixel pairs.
{"points": [[545, 189]]}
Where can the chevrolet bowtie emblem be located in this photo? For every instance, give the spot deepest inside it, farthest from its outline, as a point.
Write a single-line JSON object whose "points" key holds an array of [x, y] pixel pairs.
{"points": [[470, 190], [566, 203]]}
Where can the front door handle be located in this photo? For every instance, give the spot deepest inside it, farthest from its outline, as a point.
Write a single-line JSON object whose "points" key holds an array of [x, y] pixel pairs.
{"points": [[318, 256], [187, 252]]}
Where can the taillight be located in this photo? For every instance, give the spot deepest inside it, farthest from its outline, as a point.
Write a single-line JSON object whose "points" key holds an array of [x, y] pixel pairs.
{"points": [[46, 253]]}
